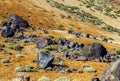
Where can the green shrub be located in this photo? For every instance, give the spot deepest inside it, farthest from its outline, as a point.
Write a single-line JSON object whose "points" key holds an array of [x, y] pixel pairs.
{"points": [[29, 68], [43, 78], [89, 69], [61, 63], [51, 47], [20, 69], [61, 27], [48, 69], [118, 51], [64, 48], [2, 45], [5, 61], [62, 79], [20, 56], [85, 65], [14, 47], [62, 16], [45, 51]]}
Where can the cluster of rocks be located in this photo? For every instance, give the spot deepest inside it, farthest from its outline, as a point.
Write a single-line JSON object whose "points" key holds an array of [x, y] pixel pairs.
{"points": [[79, 34], [79, 52], [15, 24], [93, 51]]}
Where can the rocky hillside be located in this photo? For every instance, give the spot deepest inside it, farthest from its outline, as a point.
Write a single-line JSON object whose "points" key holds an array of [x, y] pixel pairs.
{"points": [[72, 39]]}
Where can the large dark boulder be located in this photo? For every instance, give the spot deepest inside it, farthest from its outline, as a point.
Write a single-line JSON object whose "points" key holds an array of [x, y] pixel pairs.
{"points": [[44, 60], [15, 24], [43, 42], [15, 19], [7, 32], [94, 51]]}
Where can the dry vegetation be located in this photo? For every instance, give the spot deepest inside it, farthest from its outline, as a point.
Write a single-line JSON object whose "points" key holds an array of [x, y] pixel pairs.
{"points": [[50, 20]]}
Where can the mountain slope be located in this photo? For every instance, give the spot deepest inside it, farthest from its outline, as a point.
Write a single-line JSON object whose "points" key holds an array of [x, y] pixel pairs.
{"points": [[41, 15]]}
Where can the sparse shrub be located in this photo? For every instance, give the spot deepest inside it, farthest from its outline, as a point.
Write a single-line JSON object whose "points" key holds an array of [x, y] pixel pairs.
{"points": [[62, 16], [85, 65], [2, 45], [118, 51], [43, 78], [20, 69], [20, 56], [108, 9], [64, 48], [48, 69], [29, 68], [62, 79], [117, 12], [89, 69], [61, 27], [14, 47], [45, 51], [69, 16], [5, 61], [99, 8], [61, 63], [51, 47], [50, 36]]}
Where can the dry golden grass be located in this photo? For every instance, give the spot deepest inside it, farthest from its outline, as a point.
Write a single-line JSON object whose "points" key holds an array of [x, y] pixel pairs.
{"points": [[40, 17]]}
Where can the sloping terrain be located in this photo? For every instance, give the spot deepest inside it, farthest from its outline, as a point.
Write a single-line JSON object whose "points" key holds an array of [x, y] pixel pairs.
{"points": [[41, 15]]}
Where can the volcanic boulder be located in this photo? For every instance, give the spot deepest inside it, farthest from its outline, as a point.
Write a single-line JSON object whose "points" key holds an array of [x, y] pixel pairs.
{"points": [[43, 42], [44, 60], [17, 20], [94, 51], [7, 32], [15, 24]]}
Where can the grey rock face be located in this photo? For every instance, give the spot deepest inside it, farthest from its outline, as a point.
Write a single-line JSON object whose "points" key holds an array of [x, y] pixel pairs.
{"points": [[112, 72], [44, 60]]}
